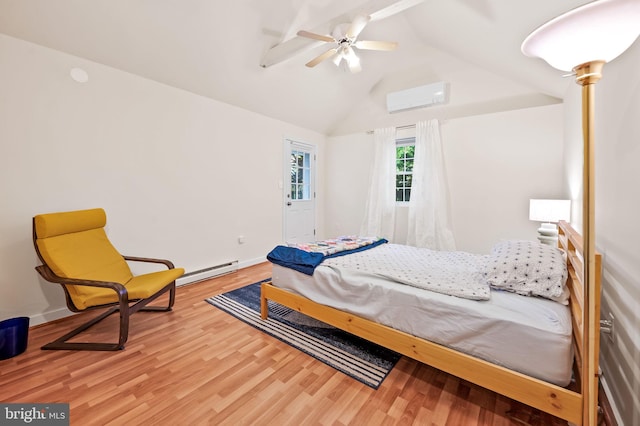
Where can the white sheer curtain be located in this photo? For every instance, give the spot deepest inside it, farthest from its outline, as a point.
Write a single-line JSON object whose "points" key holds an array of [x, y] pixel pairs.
{"points": [[428, 217], [379, 219]]}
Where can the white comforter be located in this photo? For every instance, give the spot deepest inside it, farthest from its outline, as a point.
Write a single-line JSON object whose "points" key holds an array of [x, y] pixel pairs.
{"points": [[452, 273]]}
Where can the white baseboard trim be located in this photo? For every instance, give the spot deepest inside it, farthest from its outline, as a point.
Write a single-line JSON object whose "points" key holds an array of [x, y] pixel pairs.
{"points": [[49, 316], [612, 402], [207, 273], [251, 262]]}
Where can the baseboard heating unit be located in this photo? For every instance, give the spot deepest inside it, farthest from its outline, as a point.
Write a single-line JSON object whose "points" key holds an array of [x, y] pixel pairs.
{"points": [[207, 273]]}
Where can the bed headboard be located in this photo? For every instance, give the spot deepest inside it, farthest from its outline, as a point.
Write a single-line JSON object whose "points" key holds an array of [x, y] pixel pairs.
{"points": [[586, 327]]}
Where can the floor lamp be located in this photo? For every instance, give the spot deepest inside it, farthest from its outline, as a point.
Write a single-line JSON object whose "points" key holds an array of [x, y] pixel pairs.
{"points": [[581, 41]]}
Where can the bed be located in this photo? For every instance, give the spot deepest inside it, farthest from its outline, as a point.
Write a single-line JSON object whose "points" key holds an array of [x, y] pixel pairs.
{"points": [[500, 358]]}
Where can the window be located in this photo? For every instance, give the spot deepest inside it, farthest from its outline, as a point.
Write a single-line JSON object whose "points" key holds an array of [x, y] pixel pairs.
{"points": [[300, 175], [405, 149]]}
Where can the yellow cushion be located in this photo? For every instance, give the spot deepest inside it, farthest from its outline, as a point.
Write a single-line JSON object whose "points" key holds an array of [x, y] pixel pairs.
{"points": [[53, 224], [139, 287], [74, 245], [85, 255]]}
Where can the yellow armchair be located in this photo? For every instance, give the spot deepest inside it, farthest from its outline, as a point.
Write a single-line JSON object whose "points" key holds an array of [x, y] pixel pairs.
{"points": [[76, 253]]}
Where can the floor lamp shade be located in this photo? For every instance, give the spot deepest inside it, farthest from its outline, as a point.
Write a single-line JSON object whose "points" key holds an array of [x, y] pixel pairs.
{"points": [[598, 31]]}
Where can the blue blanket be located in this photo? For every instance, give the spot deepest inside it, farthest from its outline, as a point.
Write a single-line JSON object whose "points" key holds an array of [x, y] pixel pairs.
{"points": [[305, 261]]}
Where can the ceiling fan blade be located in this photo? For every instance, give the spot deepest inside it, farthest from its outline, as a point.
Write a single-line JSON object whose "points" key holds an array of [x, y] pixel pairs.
{"points": [[375, 45], [315, 36], [326, 55], [358, 24]]}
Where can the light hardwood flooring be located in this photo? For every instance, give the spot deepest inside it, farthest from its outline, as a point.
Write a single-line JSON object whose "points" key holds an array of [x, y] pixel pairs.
{"points": [[198, 365]]}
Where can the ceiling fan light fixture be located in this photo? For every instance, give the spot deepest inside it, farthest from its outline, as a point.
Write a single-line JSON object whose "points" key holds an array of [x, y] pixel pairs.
{"points": [[348, 53], [353, 61], [355, 67], [337, 58]]}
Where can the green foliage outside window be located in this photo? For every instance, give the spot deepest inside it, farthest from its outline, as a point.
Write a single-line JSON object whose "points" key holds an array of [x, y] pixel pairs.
{"points": [[404, 171], [300, 175]]}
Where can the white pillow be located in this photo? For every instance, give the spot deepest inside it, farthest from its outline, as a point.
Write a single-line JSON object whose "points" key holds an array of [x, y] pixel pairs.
{"points": [[528, 268]]}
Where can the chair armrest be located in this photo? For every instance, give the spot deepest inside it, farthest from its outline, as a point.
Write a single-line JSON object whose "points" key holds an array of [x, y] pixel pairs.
{"points": [[165, 262], [50, 276]]}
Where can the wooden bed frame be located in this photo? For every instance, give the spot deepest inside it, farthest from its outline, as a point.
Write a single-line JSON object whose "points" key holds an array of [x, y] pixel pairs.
{"points": [[573, 404]]}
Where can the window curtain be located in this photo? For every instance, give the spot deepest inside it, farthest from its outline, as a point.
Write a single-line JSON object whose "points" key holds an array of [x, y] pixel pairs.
{"points": [[379, 219], [428, 217]]}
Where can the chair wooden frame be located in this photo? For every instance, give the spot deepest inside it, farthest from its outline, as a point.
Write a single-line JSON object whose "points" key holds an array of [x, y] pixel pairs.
{"points": [[122, 306], [566, 403]]}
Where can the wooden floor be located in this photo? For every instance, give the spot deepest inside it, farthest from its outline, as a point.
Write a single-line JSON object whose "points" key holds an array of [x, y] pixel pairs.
{"points": [[198, 365]]}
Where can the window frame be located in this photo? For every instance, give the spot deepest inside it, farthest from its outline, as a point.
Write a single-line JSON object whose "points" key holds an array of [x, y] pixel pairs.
{"points": [[402, 142], [300, 183]]}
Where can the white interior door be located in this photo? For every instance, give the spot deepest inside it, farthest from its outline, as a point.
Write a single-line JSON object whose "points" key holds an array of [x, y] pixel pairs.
{"points": [[299, 192]]}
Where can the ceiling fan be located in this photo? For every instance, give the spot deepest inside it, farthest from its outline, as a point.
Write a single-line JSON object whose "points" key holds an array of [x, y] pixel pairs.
{"points": [[344, 42]]}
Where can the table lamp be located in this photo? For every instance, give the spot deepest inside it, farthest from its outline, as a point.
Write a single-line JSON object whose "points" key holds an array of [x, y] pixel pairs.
{"points": [[549, 212]]}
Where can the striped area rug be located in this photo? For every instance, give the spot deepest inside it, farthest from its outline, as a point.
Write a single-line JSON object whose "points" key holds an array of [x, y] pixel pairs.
{"points": [[358, 358]]}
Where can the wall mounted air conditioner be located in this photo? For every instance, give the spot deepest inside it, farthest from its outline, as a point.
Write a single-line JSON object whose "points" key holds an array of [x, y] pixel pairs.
{"points": [[417, 97]]}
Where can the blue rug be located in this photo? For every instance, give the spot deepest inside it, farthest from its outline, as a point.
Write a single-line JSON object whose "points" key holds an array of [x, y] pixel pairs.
{"points": [[358, 358]]}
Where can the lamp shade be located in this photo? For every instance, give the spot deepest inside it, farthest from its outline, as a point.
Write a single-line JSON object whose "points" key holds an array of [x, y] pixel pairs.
{"points": [[598, 31], [549, 210]]}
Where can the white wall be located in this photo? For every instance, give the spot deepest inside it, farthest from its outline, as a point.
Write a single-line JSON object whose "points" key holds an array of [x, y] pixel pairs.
{"points": [[617, 140], [180, 176], [348, 160], [495, 163]]}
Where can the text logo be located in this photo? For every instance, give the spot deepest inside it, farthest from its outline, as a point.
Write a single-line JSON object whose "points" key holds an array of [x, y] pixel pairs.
{"points": [[34, 414]]}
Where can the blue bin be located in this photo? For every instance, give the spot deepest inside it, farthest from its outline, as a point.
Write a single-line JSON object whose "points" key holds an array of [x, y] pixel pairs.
{"points": [[14, 333]]}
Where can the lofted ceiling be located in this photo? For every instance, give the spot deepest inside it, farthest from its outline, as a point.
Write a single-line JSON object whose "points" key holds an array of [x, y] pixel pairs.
{"points": [[246, 52]]}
